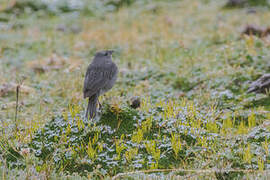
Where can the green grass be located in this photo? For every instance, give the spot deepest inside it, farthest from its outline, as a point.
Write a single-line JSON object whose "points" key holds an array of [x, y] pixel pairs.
{"points": [[187, 62]]}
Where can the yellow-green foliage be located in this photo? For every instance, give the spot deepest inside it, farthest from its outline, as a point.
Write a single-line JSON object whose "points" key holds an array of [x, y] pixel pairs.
{"points": [[247, 155], [145, 104], [91, 149], [202, 141], [265, 146], [176, 143], [137, 136], [120, 146], [169, 111], [153, 150], [260, 163], [212, 127], [227, 124], [80, 123], [251, 120], [242, 129], [146, 125], [131, 153]]}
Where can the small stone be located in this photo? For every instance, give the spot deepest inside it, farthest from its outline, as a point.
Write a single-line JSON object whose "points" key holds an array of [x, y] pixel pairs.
{"points": [[236, 3], [181, 94], [251, 11], [61, 27], [254, 30], [75, 29], [135, 102]]}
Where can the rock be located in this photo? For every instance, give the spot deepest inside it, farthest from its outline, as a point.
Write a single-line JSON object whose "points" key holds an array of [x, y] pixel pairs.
{"points": [[267, 31], [180, 94], [54, 62], [251, 11], [236, 3], [75, 29], [168, 21], [261, 85], [61, 27], [7, 88], [254, 30], [246, 3], [11, 105], [135, 102]]}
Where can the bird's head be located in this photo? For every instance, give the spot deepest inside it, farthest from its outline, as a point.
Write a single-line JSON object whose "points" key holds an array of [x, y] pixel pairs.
{"points": [[102, 54]]}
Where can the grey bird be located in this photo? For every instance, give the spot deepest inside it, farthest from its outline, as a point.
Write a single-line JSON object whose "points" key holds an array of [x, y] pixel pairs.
{"points": [[100, 77], [261, 85]]}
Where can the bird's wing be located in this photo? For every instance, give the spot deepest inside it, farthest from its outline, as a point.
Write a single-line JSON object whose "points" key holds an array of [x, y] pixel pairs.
{"points": [[266, 83], [260, 84], [265, 78], [96, 78]]}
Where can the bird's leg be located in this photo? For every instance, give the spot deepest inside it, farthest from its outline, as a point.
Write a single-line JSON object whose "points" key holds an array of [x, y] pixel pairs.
{"points": [[99, 104]]}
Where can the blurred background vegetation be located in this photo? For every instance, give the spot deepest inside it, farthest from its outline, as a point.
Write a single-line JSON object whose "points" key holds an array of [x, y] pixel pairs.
{"points": [[189, 64]]}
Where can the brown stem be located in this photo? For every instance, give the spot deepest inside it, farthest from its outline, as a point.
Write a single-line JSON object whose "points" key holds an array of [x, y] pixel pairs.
{"points": [[17, 104]]}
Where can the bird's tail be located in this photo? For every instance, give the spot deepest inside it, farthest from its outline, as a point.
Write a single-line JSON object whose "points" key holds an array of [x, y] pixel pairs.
{"points": [[92, 107]]}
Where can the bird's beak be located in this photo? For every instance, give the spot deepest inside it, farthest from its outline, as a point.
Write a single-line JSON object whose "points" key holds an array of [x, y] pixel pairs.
{"points": [[111, 51]]}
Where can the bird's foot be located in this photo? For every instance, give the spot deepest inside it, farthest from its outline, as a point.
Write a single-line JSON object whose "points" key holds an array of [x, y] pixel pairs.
{"points": [[100, 105]]}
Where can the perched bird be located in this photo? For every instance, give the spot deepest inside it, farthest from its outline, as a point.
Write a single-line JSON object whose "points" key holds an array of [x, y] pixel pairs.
{"points": [[261, 85], [100, 77]]}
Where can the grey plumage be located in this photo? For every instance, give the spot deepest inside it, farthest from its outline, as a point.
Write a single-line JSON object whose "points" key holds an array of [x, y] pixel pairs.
{"points": [[100, 77], [261, 85]]}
